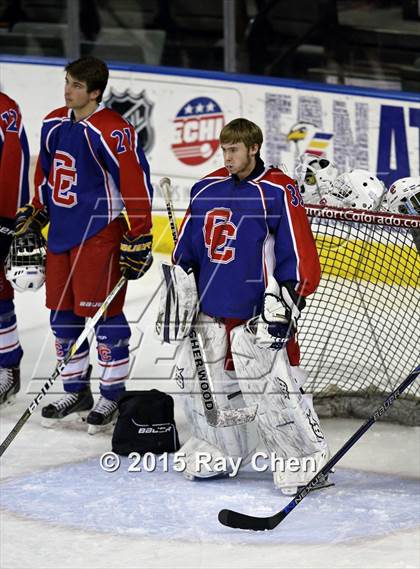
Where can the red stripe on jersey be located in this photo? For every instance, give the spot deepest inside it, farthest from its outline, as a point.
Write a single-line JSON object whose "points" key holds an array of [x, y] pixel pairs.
{"points": [[264, 259], [309, 269], [132, 184], [12, 156]]}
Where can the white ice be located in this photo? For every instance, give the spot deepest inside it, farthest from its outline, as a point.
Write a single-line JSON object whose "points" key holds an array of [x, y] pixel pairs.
{"points": [[60, 510]]}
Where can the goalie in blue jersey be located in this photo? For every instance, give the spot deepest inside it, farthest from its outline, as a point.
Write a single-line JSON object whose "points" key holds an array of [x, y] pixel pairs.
{"points": [[246, 254]]}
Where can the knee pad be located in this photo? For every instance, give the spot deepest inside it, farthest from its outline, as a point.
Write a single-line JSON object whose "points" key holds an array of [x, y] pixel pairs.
{"points": [[111, 330]]}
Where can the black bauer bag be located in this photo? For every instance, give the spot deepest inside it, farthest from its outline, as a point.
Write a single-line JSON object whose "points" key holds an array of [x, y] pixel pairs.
{"points": [[145, 423]]}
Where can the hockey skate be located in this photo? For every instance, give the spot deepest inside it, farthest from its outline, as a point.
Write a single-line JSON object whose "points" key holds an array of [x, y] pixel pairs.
{"points": [[195, 469], [9, 385], [102, 416], [72, 406], [293, 490], [291, 481]]}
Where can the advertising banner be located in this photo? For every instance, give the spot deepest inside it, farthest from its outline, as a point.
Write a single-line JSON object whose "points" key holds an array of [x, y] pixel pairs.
{"points": [[179, 114]]}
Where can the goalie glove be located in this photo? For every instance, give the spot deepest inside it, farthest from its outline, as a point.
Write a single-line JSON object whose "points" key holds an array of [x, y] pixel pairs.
{"points": [[178, 303], [281, 311], [135, 255], [28, 218], [6, 235]]}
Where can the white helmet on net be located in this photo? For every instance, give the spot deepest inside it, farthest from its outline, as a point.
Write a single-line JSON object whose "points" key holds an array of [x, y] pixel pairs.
{"points": [[25, 264], [315, 177], [359, 189], [403, 196]]}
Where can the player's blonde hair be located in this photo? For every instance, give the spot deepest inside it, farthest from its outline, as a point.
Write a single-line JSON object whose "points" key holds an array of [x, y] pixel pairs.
{"points": [[241, 130]]}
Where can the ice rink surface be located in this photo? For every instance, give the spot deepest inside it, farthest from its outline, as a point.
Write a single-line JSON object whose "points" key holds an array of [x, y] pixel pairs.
{"points": [[59, 509]]}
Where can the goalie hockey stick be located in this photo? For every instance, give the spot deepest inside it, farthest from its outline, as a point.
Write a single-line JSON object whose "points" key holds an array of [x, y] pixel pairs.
{"points": [[233, 519], [215, 417], [61, 365]]}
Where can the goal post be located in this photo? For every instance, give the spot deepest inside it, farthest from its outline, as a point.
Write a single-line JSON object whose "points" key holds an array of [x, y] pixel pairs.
{"points": [[360, 331]]}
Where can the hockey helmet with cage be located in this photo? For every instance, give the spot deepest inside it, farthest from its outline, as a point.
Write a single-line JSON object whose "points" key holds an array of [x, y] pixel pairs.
{"points": [[315, 177], [25, 264], [403, 196], [358, 188]]}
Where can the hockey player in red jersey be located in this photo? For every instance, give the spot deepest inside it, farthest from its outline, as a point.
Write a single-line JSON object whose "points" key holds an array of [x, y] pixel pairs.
{"points": [[90, 167], [245, 244], [14, 191]]}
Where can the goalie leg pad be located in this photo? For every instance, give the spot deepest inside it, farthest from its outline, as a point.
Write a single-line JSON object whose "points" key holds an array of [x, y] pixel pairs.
{"points": [[178, 303], [287, 421], [238, 441]]}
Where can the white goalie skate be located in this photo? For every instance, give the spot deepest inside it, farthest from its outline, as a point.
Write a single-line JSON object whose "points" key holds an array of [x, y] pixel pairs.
{"points": [[295, 476]]}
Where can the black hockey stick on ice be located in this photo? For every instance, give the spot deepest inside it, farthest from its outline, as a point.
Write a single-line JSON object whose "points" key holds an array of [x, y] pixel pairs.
{"points": [[243, 521], [215, 417], [62, 364]]}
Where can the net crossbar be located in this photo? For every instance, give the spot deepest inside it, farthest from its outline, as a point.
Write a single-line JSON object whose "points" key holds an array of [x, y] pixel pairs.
{"points": [[360, 331]]}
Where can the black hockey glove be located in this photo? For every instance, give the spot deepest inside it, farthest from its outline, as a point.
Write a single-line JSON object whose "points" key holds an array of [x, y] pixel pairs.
{"points": [[135, 255], [6, 236], [28, 218]]}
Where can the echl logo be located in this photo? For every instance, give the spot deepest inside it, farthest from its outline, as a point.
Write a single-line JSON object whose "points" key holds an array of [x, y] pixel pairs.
{"points": [[137, 110], [218, 230], [197, 128]]}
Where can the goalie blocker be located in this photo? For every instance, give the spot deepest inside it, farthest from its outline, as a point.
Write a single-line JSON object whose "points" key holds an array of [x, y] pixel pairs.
{"points": [[178, 303]]}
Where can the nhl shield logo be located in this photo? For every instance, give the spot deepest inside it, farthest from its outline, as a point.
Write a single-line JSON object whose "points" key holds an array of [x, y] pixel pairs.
{"points": [[136, 109]]}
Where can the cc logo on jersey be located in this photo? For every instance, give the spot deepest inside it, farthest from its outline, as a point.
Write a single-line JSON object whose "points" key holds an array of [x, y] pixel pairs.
{"points": [[104, 352], [64, 177], [218, 230]]}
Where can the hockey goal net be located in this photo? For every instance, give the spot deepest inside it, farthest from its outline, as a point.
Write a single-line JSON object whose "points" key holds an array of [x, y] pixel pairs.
{"points": [[360, 331]]}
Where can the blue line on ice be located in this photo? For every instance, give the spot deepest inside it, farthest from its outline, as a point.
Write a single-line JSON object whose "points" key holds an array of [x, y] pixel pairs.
{"points": [[163, 505]]}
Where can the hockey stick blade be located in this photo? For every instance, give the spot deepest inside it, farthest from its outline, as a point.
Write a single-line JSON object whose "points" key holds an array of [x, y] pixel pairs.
{"points": [[237, 520]]}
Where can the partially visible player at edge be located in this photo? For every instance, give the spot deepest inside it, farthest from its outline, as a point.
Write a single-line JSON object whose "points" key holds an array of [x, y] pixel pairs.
{"points": [[14, 192], [89, 168], [246, 240]]}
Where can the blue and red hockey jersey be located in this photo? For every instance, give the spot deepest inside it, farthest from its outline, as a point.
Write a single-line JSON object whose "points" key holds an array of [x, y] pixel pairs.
{"points": [[14, 158], [235, 233], [87, 172]]}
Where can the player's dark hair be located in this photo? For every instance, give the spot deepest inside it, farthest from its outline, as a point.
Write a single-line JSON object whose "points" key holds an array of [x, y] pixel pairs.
{"points": [[242, 130], [93, 71]]}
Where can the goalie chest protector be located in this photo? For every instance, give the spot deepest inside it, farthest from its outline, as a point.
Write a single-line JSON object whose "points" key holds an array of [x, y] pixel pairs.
{"points": [[145, 423]]}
